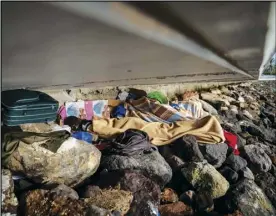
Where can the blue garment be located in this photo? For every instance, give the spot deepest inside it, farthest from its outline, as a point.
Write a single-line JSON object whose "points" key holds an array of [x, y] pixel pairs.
{"points": [[175, 106], [81, 135], [119, 111]]}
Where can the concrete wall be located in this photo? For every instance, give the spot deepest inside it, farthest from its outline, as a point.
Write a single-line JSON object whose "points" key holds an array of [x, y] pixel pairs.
{"points": [[44, 45]]}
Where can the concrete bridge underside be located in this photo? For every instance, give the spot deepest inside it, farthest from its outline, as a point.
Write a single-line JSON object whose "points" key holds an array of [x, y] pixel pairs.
{"points": [[75, 44]]}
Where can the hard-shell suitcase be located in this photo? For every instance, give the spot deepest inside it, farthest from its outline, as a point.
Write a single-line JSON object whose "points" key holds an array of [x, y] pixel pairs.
{"points": [[23, 106]]}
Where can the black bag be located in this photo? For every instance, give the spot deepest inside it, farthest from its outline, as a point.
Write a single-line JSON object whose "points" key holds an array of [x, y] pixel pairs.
{"points": [[23, 106]]}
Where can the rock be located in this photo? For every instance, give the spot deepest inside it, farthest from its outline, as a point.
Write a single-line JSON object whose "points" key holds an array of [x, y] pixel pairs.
{"points": [[112, 199], [247, 197], [236, 162], [273, 159], [146, 193], [267, 182], [204, 202], [175, 162], [90, 191], [246, 173], [187, 149], [247, 114], [175, 209], [215, 91], [72, 163], [224, 108], [230, 175], [257, 159], [208, 107], [214, 154], [188, 198], [53, 204], [153, 165], [97, 211], [236, 213], [63, 190], [9, 202], [241, 99], [234, 108], [205, 178], [168, 196]]}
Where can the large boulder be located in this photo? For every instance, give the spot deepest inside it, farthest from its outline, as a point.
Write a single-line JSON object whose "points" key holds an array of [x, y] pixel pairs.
{"points": [[146, 193], [153, 165], [267, 182], [247, 197], [258, 160], [214, 154], [53, 161], [9, 201], [205, 178]]}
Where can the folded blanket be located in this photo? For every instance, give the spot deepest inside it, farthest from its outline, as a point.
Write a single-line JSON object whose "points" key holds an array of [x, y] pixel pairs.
{"points": [[206, 130]]}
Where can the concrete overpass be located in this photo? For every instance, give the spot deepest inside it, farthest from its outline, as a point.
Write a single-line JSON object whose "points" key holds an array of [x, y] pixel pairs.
{"points": [[74, 44]]}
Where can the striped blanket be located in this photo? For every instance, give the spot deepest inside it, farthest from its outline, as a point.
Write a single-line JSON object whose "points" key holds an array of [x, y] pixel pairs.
{"points": [[151, 111]]}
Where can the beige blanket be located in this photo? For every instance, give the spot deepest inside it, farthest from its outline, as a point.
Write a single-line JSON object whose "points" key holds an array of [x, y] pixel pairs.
{"points": [[206, 130]]}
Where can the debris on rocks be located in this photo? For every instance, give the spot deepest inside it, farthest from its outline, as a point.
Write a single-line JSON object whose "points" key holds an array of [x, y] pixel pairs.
{"points": [[208, 152]]}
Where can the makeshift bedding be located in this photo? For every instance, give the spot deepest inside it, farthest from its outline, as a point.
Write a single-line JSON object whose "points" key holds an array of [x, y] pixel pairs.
{"points": [[151, 111], [206, 130]]}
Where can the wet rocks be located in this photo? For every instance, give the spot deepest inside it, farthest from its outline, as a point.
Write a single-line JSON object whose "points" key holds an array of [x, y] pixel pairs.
{"points": [[153, 165], [248, 198], [205, 178], [236, 162], [214, 154], [175, 209], [9, 202], [257, 159]]}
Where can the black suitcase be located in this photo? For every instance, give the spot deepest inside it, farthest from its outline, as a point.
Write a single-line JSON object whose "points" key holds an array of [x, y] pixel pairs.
{"points": [[23, 106]]}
